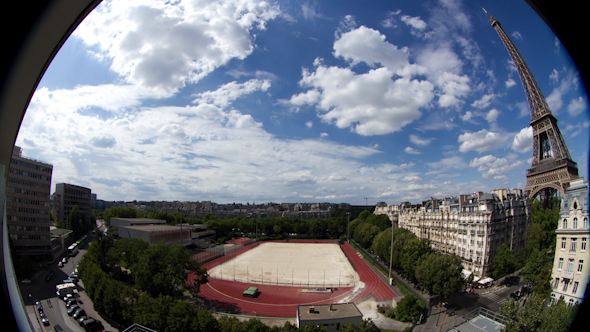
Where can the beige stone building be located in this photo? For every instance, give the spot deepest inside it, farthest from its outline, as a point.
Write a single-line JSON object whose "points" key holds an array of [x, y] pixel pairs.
{"points": [[471, 226], [572, 254]]}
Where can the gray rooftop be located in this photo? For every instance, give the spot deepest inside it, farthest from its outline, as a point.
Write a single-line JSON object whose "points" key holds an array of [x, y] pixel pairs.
{"points": [[340, 310]]}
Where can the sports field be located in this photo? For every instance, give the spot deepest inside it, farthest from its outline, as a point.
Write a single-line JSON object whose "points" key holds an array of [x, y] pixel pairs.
{"points": [[290, 264]]}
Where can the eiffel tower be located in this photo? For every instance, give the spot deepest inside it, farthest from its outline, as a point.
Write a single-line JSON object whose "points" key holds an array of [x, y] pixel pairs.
{"points": [[552, 167]]}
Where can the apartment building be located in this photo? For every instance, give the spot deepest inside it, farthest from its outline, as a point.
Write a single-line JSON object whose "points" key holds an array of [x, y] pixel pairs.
{"points": [[67, 196], [471, 226], [28, 204], [570, 275]]}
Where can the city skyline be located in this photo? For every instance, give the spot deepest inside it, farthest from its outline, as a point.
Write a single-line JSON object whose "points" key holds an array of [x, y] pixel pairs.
{"points": [[313, 102]]}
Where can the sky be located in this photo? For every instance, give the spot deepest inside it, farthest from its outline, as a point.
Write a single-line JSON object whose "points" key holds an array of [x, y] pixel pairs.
{"points": [[299, 101]]}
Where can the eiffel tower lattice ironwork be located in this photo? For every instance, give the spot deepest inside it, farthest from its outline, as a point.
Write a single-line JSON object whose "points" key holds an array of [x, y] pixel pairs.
{"points": [[552, 165]]}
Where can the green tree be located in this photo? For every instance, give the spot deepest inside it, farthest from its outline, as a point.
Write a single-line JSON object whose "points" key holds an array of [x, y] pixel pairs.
{"points": [[441, 274], [414, 251], [504, 262], [408, 309], [364, 234], [536, 262], [367, 325], [163, 269], [534, 316], [382, 244]]}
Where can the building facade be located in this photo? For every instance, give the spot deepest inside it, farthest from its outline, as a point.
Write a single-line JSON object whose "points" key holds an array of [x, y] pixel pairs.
{"points": [[28, 204], [67, 196], [332, 317], [472, 226], [572, 255]]}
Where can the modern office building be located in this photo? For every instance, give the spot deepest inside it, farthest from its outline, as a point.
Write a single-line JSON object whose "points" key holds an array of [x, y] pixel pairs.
{"points": [[28, 204], [471, 226], [569, 277], [65, 197]]}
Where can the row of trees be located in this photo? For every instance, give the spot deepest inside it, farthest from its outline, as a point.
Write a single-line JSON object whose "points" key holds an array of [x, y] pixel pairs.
{"points": [[412, 257], [535, 315]]}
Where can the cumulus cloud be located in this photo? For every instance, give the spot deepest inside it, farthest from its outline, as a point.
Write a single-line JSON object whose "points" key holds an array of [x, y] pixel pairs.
{"points": [[509, 83], [229, 92], [481, 141], [370, 103], [446, 164], [492, 167], [484, 101], [411, 150], [420, 141], [577, 106], [161, 46], [523, 141], [414, 22], [369, 46], [492, 115]]}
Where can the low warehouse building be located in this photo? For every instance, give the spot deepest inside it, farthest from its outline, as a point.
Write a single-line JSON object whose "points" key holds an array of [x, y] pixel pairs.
{"points": [[330, 316]]}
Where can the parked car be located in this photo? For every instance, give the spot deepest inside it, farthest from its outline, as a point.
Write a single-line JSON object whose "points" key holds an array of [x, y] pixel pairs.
{"points": [[67, 297], [83, 318], [93, 325], [73, 309], [70, 303], [58, 328], [44, 319], [26, 281], [39, 306], [79, 313], [60, 264], [64, 260]]}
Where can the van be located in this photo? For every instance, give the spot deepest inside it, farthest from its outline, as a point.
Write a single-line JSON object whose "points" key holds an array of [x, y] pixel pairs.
{"points": [[92, 325]]}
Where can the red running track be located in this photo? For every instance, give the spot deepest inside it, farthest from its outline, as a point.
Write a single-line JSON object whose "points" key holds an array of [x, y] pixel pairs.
{"points": [[282, 301]]}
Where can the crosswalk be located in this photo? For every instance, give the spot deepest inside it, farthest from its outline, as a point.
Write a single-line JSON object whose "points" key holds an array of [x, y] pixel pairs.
{"points": [[495, 297]]}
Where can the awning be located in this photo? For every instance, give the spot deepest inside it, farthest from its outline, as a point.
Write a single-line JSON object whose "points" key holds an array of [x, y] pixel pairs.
{"points": [[475, 279], [486, 280], [466, 273]]}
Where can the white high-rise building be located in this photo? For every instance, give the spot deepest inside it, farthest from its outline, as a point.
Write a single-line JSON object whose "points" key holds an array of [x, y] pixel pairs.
{"points": [[569, 276]]}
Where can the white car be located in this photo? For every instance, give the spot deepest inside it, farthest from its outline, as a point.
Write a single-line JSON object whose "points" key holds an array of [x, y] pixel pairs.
{"points": [[26, 281]]}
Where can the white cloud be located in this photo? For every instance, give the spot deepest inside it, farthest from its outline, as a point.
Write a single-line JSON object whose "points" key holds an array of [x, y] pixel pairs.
{"points": [[516, 35], [309, 97], [484, 101], [161, 46], [492, 115], [510, 83], [370, 103], [414, 22], [411, 150], [324, 135], [491, 166], [467, 116], [554, 76], [577, 106], [369, 46], [420, 141], [446, 164], [481, 141], [309, 124], [523, 141], [229, 92]]}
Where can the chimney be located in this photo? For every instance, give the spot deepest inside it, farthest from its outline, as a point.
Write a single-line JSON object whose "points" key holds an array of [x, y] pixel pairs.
{"points": [[312, 310]]}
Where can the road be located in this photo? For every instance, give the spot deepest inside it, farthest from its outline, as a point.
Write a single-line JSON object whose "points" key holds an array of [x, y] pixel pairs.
{"points": [[53, 307]]}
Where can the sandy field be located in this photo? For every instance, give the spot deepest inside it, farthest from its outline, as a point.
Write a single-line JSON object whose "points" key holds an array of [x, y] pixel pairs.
{"points": [[290, 264]]}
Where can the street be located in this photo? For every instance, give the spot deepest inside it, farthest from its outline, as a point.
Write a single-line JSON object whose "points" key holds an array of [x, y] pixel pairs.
{"points": [[53, 307]]}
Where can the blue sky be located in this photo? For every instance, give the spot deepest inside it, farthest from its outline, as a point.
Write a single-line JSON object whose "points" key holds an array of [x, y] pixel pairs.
{"points": [[299, 101]]}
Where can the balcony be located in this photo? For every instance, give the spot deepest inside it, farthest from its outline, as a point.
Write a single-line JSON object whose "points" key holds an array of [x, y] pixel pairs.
{"points": [[567, 275]]}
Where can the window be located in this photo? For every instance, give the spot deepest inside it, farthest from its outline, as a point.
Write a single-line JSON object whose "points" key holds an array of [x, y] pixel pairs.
{"points": [[573, 245], [580, 265], [564, 223], [586, 223], [563, 243], [555, 284], [560, 265], [566, 283], [583, 246], [570, 265]]}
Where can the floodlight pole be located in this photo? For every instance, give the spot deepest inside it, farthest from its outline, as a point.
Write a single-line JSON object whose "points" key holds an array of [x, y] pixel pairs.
{"points": [[391, 254]]}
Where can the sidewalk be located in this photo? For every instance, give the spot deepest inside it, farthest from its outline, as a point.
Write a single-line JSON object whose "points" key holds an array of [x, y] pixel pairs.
{"points": [[86, 304]]}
